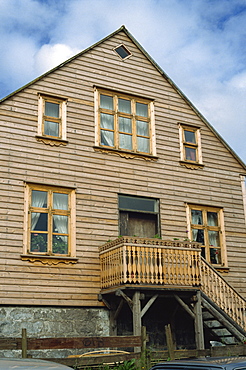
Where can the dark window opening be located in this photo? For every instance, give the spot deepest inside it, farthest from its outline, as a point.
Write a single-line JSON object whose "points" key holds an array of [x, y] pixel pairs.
{"points": [[138, 216], [122, 51]]}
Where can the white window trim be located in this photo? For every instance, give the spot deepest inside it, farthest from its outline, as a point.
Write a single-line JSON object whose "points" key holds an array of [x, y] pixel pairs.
{"points": [[63, 107], [72, 226], [182, 127], [151, 126]]}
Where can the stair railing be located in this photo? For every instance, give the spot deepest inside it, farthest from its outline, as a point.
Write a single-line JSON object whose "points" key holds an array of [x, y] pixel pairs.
{"points": [[223, 294]]}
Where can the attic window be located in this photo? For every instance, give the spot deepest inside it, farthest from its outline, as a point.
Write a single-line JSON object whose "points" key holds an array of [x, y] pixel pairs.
{"points": [[122, 51]]}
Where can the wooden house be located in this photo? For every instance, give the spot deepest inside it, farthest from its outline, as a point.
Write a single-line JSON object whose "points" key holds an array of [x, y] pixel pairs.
{"points": [[121, 206]]}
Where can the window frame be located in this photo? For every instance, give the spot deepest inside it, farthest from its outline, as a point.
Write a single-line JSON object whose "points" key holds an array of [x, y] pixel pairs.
{"points": [[220, 228], [70, 212], [42, 99], [133, 210], [186, 144], [133, 99]]}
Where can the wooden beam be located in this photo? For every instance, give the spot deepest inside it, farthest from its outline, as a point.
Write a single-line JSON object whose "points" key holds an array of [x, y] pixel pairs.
{"points": [[136, 315], [148, 305], [24, 344], [199, 335], [185, 306], [119, 292], [170, 346]]}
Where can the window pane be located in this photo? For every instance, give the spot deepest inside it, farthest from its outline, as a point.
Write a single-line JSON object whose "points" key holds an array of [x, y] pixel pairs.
{"points": [[143, 144], [125, 141], [52, 109], [122, 51], [60, 224], [51, 128], [107, 121], [196, 217], [198, 235], [106, 102], [212, 218], [190, 154], [124, 106], [39, 221], [125, 124], [142, 128], [190, 136], [142, 109], [137, 204], [38, 243], [214, 239], [60, 201], [60, 244], [107, 138], [39, 199], [215, 255]]}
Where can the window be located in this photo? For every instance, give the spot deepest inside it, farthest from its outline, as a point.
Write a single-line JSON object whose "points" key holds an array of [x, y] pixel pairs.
{"points": [[50, 217], [139, 216], [52, 118], [124, 122], [190, 144], [122, 51], [206, 226]]}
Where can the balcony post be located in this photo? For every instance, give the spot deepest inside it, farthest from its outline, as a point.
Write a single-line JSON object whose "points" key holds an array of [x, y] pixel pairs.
{"points": [[136, 315], [198, 321]]}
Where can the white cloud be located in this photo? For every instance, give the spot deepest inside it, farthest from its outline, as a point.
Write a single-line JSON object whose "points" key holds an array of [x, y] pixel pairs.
{"points": [[49, 56]]}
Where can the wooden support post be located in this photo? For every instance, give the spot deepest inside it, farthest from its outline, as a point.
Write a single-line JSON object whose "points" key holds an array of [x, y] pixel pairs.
{"points": [[170, 346], [136, 313], [24, 343], [199, 322]]}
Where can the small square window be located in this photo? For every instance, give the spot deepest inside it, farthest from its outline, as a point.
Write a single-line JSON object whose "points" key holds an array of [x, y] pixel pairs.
{"points": [[122, 51], [190, 144], [52, 118]]}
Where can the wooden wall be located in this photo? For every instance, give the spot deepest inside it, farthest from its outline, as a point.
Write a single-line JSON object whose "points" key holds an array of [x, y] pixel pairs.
{"points": [[99, 177]]}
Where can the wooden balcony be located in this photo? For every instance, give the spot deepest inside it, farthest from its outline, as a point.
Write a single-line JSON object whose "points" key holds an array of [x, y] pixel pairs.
{"points": [[148, 262]]}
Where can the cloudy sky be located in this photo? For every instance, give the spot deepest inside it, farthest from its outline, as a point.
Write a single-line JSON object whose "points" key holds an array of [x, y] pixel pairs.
{"points": [[200, 44]]}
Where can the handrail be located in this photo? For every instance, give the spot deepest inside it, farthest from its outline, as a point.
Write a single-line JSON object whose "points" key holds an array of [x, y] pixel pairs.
{"points": [[223, 294], [148, 264]]}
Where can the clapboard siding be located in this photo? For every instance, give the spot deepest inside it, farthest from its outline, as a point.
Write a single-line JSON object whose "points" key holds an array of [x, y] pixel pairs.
{"points": [[99, 177]]}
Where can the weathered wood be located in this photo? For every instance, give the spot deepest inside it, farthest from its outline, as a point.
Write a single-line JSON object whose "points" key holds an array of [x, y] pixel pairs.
{"points": [[136, 316], [24, 343], [170, 346], [199, 335]]}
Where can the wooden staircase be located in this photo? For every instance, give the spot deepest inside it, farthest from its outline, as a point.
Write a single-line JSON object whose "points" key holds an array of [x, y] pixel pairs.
{"points": [[223, 308]]}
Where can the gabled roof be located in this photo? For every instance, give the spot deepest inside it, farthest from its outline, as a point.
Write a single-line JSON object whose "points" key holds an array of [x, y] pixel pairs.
{"points": [[124, 29]]}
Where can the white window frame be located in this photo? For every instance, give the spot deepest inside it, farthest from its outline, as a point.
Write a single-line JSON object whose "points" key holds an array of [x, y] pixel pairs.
{"points": [[62, 116], [134, 99], [71, 212], [183, 144], [221, 229]]}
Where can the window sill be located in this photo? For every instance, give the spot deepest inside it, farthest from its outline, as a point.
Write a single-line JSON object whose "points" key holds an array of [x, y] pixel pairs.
{"points": [[51, 141], [125, 154], [48, 260], [221, 269], [191, 165]]}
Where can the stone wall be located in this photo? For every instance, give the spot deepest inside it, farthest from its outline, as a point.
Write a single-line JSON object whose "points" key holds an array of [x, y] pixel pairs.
{"points": [[47, 322]]}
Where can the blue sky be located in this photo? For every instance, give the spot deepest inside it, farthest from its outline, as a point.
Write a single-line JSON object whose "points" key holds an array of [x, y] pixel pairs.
{"points": [[200, 44]]}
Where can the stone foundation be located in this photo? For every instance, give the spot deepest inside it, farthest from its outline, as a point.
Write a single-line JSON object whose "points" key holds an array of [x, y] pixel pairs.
{"points": [[50, 322]]}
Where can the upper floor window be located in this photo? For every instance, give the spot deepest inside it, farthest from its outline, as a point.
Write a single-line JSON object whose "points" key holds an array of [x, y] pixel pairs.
{"points": [[49, 223], [139, 216], [124, 122], [52, 117], [190, 144], [122, 51], [206, 226]]}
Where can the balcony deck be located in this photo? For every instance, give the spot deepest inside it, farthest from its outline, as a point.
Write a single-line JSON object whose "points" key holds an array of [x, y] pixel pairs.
{"points": [[150, 262]]}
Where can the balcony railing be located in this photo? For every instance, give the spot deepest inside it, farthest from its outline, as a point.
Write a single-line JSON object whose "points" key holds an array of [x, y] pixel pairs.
{"points": [[130, 260]]}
